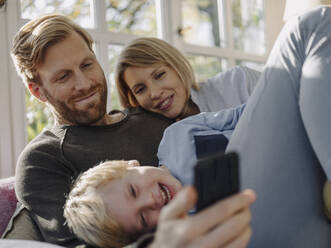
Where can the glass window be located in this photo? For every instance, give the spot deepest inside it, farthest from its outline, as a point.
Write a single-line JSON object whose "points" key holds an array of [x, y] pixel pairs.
{"points": [[248, 26], [131, 16], [206, 66], [79, 10], [38, 116], [113, 52], [251, 64], [200, 23]]}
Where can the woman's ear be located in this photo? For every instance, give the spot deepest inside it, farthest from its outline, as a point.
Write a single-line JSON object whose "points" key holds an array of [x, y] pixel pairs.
{"points": [[133, 163], [37, 91]]}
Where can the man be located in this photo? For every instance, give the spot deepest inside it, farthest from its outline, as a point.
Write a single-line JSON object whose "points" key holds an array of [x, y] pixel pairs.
{"points": [[55, 59]]}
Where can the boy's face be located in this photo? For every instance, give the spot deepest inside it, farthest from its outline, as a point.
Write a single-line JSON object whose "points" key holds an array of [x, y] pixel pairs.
{"points": [[135, 200]]}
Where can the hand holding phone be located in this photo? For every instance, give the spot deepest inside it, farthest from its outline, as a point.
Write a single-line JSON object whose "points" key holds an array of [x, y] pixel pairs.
{"points": [[216, 177]]}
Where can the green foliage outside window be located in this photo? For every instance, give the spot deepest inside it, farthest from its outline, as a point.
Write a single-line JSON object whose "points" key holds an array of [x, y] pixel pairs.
{"points": [[206, 67], [113, 53], [131, 16], [248, 26], [38, 116]]}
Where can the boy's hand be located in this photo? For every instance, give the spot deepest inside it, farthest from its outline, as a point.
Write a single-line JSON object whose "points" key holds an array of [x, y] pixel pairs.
{"points": [[327, 199], [224, 224]]}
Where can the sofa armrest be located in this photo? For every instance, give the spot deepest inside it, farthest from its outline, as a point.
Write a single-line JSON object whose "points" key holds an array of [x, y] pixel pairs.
{"points": [[8, 201]]}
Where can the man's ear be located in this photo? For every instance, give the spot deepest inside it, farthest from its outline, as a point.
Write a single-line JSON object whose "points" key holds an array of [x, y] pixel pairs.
{"points": [[37, 91]]}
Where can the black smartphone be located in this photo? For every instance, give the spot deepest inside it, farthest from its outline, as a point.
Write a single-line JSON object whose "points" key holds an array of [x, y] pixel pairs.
{"points": [[216, 177]]}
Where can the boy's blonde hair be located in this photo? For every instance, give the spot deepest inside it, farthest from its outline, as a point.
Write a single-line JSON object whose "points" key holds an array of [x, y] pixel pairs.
{"points": [[146, 52], [86, 212], [34, 38]]}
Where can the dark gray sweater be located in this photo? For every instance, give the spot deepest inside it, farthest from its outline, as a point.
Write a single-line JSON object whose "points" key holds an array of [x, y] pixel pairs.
{"points": [[49, 164]]}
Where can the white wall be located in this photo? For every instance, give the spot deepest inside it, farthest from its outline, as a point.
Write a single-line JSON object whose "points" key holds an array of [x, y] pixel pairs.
{"points": [[6, 153], [274, 20]]}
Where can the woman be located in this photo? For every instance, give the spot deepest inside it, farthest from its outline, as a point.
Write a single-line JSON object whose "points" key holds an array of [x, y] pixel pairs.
{"points": [[283, 137], [154, 75]]}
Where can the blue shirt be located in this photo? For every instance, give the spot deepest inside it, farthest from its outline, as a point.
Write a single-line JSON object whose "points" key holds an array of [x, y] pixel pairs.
{"points": [[177, 149]]}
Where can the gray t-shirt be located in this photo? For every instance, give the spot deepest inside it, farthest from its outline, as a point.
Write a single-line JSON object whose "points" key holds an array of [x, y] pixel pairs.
{"points": [[227, 89]]}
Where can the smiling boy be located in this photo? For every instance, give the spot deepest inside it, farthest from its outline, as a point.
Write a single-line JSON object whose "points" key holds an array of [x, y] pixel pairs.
{"points": [[115, 202]]}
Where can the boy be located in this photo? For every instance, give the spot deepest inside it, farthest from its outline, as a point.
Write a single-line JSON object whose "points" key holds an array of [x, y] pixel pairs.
{"points": [[128, 198], [113, 203]]}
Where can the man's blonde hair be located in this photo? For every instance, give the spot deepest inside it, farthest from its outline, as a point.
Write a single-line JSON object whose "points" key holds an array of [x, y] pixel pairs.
{"points": [[145, 52], [86, 212], [34, 38]]}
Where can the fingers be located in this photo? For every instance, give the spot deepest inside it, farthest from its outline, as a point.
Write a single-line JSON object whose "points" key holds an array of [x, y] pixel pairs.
{"points": [[327, 199], [225, 224], [231, 232], [180, 205], [173, 230], [219, 212], [242, 240]]}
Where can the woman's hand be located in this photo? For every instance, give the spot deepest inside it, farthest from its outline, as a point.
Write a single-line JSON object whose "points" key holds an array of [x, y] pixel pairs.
{"points": [[224, 224]]}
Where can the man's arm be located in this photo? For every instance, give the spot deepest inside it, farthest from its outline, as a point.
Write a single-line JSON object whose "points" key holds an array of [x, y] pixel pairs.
{"points": [[43, 177]]}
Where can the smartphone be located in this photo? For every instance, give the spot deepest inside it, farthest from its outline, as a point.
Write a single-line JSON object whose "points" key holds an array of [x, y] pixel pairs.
{"points": [[216, 177]]}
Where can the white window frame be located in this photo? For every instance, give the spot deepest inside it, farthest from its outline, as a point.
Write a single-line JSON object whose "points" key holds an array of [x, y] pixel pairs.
{"points": [[6, 149], [13, 135], [228, 52]]}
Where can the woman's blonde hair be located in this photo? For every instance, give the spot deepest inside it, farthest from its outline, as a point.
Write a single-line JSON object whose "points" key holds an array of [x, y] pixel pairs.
{"points": [[34, 38], [85, 211], [146, 52]]}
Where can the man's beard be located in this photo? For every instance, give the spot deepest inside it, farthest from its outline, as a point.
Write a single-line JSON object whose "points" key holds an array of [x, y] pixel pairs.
{"points": [[92, 114]]}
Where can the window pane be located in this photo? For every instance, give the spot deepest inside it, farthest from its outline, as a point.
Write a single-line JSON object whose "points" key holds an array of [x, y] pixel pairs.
{"points": [[200, 22], [113, 52], [79, 10], [132, 16], [248, 26], [206, 67], [38, 116], [251, 64]]}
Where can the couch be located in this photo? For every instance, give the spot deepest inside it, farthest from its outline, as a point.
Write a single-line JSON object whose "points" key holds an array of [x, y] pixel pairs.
{"points": [[8, 201]]}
